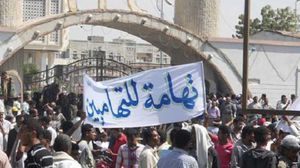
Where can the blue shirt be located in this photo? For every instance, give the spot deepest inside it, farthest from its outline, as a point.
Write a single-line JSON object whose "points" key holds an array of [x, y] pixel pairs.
{"points": [[177, 158]]}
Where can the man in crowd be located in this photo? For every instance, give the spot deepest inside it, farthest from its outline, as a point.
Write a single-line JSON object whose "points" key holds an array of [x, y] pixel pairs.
{"points": [[149, 156], [283, 103], [38, 155], [45, 121], [242, 146], [118, 138], [12, 135], [86, 158], [252, 118], [228, 110], [61, 156], [238, 124], [223, 145], [260, 157], [288, 154], [179, 157], [128, 154]]}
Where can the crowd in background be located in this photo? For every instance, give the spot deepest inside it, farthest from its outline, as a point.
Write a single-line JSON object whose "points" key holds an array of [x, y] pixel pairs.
{"points": [[47, 129]]}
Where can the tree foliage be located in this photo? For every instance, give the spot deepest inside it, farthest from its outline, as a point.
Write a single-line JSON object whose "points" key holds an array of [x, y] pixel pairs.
{"points": [[276, 20], [29, 69]]}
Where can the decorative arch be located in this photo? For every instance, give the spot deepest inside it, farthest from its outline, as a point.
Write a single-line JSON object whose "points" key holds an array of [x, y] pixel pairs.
{"points": [[182, 45]]}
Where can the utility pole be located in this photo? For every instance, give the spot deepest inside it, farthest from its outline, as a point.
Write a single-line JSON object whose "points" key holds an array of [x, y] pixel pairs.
{"points": [[246, 55]]}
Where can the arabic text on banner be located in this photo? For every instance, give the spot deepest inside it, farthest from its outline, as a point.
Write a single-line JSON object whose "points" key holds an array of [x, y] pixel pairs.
{"points": [[148, 98]]}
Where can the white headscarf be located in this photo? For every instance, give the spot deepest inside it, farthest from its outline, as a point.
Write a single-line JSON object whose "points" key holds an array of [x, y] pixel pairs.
{"points": [[203, 143]]}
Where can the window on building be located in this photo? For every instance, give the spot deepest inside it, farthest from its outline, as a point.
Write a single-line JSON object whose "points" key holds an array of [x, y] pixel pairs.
{"points": [[75, 56], [111, 55], [54, 7], [165, 60], [33, 9], [54, 36]]}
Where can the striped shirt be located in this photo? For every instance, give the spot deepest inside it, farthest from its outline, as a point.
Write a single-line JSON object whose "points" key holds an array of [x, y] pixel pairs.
{"points": [[39, 157], [129, 157]]}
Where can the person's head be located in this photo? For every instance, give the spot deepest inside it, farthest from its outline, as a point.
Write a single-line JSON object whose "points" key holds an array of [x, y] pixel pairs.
{"points": [[282, 133], [263, 96], [274, 131], [50, 113], [182, 139], [224, 133], [239, 123], [248, 134], [172, 136], [290, 147], [66, 126], [151, 137], [132, 135], [283, 99], [15, 110], [19, 120], [262, 135], [62, 143], [233, 97], [88, 132], [255, 99], [10, 118], [213, 103], [45, 121], [31, 132], [228, 99], [1, 115], [163, 136], [293, 97], [46, 138], [116, 132], [34, 113], [103, 136]]}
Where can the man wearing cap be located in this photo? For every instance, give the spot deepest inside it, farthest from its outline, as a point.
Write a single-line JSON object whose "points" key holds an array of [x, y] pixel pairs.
{"points": [[288, 153]]}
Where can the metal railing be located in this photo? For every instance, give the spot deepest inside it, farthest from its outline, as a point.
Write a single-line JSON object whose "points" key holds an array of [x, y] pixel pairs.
{"points": [[71, 75]]}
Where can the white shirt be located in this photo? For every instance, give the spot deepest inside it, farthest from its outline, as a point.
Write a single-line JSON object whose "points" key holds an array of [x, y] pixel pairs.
{"points": [[7, 126], [76, 136], [63, 160], [53, 135], [2, 107], [148, 158]]}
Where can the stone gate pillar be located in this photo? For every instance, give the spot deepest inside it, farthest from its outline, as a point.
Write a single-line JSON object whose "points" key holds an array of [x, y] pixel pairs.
{"points": [[199, 16]]}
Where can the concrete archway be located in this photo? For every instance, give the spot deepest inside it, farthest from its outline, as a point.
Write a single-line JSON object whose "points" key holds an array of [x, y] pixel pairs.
{"points": [[182, 45]]}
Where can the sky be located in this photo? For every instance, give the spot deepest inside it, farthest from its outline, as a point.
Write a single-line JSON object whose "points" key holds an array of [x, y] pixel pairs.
{"points": [[228, 16]]}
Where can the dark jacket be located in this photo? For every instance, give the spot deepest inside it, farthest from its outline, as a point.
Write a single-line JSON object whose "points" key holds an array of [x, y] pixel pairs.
{"points": [[259, 158]]}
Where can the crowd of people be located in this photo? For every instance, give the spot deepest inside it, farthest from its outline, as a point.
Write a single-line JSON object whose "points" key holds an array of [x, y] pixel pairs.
{"points": [[49, 130]]}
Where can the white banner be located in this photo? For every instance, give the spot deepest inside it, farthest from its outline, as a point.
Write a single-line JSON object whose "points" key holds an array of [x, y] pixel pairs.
{"points": [[148, 98]]}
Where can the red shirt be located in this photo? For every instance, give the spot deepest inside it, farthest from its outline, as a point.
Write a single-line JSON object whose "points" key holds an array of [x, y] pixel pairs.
{"points": [[120, 141], [224, 151]]}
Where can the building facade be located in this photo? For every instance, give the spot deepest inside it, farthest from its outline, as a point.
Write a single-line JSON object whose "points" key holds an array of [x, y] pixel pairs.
{"points": [[127, 51], [44, 50]]}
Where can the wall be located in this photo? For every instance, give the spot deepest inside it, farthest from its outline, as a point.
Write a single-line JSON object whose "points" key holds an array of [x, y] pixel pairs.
{"points": [[272, 67]]}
